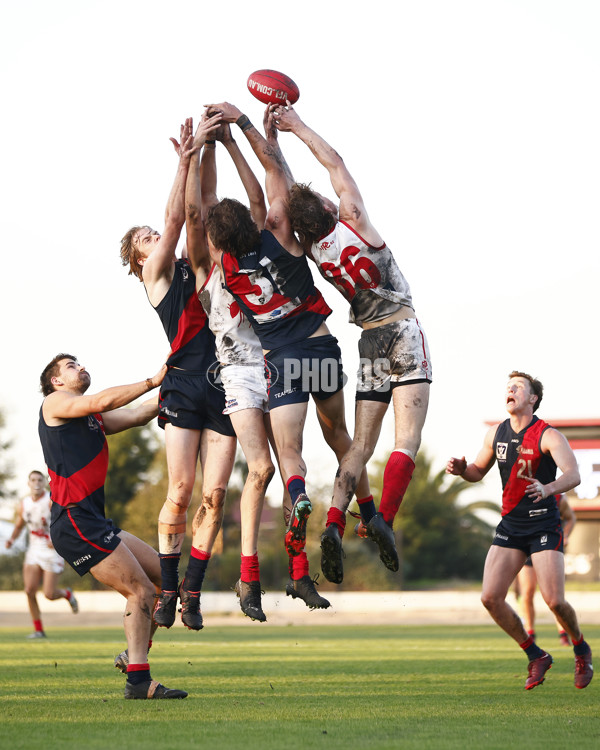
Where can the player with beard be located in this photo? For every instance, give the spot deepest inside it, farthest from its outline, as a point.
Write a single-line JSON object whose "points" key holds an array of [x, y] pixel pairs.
{"points": [[73, 428]]}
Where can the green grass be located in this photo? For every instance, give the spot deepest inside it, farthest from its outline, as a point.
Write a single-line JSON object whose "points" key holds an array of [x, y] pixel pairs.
{"points": [[262, 687]]}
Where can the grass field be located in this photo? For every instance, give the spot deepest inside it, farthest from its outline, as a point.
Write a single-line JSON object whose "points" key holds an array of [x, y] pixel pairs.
{"points": [[260, 687]]}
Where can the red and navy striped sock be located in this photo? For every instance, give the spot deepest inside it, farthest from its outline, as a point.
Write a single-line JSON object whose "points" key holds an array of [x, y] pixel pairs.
{"points": [[194, 575], [138, 673], [367, 508], [531, 649], [580, 647]]}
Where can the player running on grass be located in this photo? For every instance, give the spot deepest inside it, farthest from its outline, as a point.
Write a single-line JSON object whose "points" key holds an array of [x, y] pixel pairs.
{"points": [[73, 428], [395, 365], [528, 452], [42, 563], [191, 407]]}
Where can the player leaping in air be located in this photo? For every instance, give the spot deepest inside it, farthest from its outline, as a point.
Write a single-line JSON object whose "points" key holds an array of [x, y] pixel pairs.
{"points": [[395, 365]]}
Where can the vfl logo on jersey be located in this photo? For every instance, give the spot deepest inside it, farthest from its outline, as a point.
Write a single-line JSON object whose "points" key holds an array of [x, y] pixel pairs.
{"points": [[92, 423], [184, 273], [544, 540], [501, 449]]}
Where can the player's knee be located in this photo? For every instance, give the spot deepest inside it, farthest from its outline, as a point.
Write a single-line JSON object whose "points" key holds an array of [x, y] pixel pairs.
{"points": [[490, 600], [260, 474], [556, 604], [180, 492], [213, 500]]}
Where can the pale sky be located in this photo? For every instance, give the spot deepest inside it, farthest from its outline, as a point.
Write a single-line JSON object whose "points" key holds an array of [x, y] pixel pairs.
{"points": [[471, 127]]}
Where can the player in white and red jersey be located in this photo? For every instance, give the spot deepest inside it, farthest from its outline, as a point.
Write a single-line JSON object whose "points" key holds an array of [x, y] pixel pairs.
{"points": [[394, 357], [42, 562], [239, 354], [528, 452]]}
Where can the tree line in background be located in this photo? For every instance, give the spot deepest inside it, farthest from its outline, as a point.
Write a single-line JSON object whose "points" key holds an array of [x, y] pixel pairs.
{"points": [[439, 539]]}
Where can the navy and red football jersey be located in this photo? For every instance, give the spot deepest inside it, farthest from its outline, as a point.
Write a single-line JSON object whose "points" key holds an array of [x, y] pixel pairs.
{"points": [[76, 454], [520, 459], [276, 291], [185, 323]]}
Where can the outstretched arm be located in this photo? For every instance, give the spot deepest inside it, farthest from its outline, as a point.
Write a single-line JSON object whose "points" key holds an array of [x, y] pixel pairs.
{"points": [[255, 194], [60, 406], [352, 208], [196, 185], [122, 419], [474, 472], [159, 264], [276, 183]]}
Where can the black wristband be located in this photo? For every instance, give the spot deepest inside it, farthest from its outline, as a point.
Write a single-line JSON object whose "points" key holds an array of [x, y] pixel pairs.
{"points": [[243, 123]]}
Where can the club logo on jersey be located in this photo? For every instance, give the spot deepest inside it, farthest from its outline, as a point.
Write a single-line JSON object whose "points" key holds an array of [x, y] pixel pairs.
{"points": [[544, 540], [92, 424], [501, 449], [525, 451]]}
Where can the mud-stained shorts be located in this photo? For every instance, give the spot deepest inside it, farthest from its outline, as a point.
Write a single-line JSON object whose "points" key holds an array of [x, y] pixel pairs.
{"points": [[194, 401], [391, 355], [83, 536], [45, 557], [245, 388]]}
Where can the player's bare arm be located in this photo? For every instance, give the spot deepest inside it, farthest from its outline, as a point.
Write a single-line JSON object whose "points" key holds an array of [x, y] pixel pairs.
{"points": [[123, 419], [19, 526], [474, 472], [272, 136], [555, 443], [254, 191], [157, 271], [197, 247], [62, 405], [276, 182], [352, 208]]}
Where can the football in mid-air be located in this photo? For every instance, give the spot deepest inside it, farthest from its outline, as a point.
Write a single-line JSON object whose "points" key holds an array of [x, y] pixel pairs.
{"points": [[272, 87]]}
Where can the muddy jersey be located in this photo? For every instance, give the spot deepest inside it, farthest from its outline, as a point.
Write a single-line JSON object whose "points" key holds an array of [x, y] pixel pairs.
{"points": [[367, 276], [36, 514], [236, 342], [185, 323], [520, 459], [76, 454], [276, 292]]}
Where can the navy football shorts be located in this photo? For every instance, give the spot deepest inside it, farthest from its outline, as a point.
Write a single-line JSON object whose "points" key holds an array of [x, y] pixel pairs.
{"points": [[530, 543], [193, 401], [309, 367], [83, 536]]}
